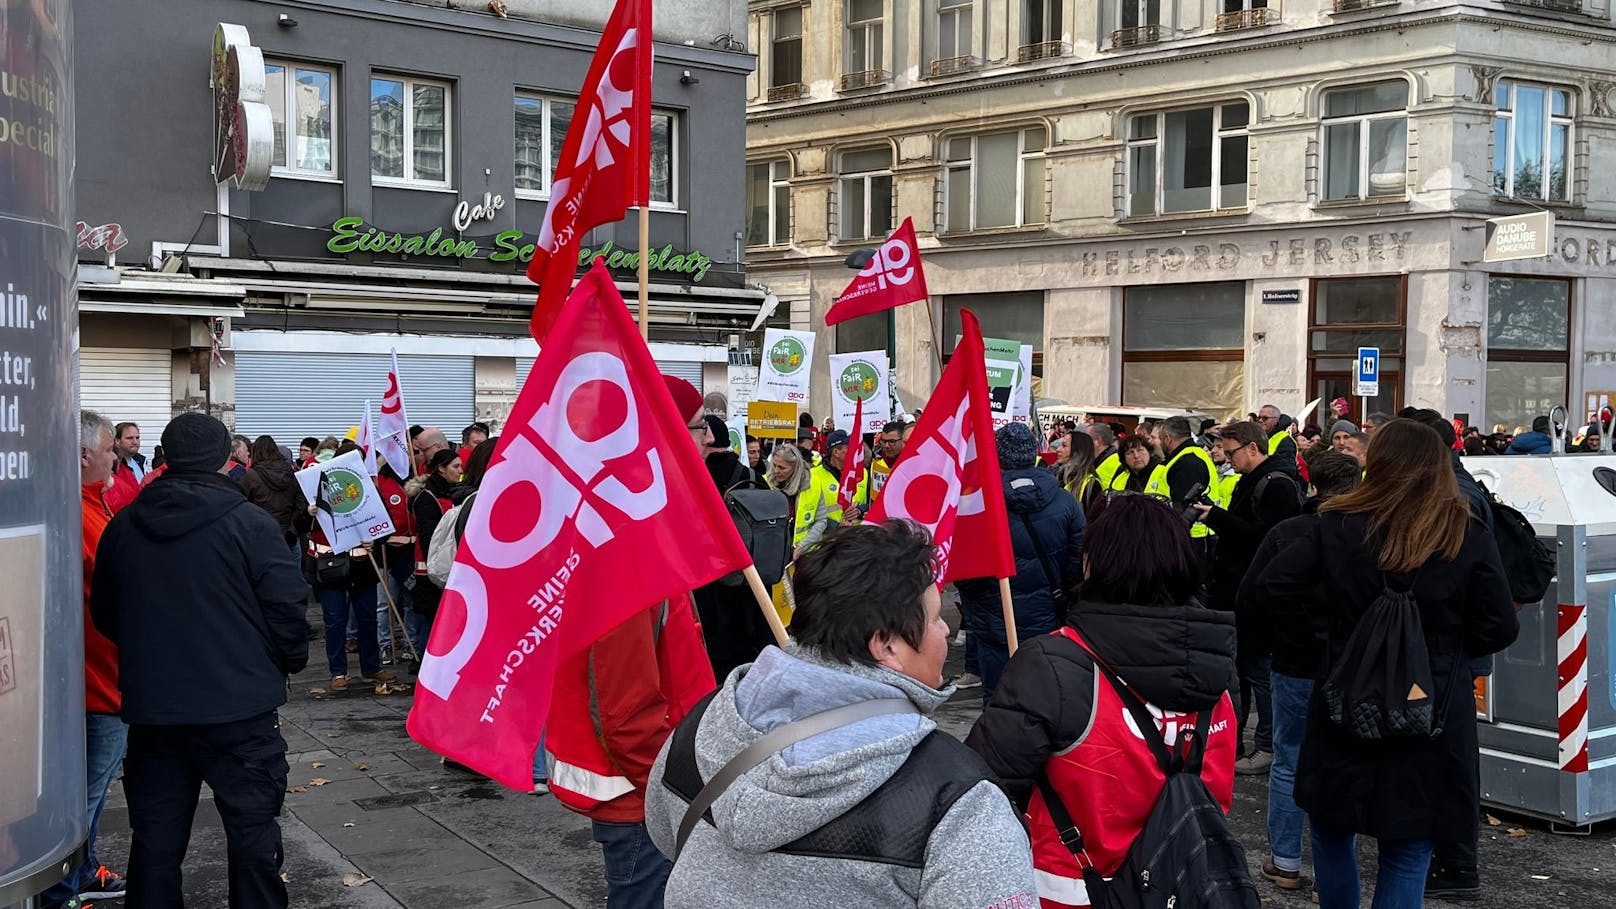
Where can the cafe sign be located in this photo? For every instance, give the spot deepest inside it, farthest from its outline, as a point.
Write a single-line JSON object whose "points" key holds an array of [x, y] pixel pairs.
{"points": [[352, 234]]}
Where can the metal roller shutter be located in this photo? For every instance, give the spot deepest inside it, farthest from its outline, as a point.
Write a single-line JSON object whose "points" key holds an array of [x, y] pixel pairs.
{"points": [[292, 395], [131, 385], [689, 371]]}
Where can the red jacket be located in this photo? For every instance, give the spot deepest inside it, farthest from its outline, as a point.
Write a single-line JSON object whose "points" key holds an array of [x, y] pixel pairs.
{"points": [[610, 713], [401, 545], [100, 654], [123, 487]]}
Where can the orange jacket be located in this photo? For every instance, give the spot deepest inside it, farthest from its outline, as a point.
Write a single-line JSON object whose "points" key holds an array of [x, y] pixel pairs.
{"points": [[100, 654], [616, 703]]}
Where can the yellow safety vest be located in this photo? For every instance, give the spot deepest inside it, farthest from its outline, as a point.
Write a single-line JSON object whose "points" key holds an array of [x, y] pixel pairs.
{"points": [[1225, 487], [1119, 480], [1158, 482], [1108, 468], [822, 490], [1276, 440]]}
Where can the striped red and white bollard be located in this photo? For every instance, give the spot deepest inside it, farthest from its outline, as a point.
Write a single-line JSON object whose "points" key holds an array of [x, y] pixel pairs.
{"points": [[1572, 650]]}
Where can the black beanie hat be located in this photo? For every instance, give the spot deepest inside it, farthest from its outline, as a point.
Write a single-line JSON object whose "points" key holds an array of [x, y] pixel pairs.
{"points": [[195, 443]]}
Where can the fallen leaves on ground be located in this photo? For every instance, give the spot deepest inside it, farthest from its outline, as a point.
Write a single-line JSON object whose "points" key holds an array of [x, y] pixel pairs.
{"points": [[1493, 822], [298, 789], [316, 691], [318, 781], [362, 767], [1540, 877], [347, 823], [355, 879], [285, 879], [1516, 831], [386, 688], [317, 764]]}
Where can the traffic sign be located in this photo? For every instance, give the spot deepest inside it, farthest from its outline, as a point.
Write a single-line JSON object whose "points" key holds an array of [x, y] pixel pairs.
{"points": [[1366, 377]]}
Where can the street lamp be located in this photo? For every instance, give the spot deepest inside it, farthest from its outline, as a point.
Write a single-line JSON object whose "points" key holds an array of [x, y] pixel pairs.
{"points": [[858, 260]]}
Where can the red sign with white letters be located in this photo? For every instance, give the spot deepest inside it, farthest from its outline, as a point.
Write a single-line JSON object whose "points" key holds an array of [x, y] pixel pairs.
{"points": [[595, 507]]}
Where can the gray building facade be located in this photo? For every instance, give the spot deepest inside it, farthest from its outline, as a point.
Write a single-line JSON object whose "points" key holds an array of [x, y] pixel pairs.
{"points": [[412, 150]]}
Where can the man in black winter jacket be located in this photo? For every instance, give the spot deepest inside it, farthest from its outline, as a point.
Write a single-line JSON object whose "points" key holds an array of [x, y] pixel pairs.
{"points": [[206, 604], [1269, 491]]}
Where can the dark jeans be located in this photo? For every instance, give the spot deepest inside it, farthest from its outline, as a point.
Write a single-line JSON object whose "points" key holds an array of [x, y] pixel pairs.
{"points": [[636, 872], [244, 764], [1254, 686], [336, 604], [1457, 858], [991, 659], [1399, 881], [105, 739]]}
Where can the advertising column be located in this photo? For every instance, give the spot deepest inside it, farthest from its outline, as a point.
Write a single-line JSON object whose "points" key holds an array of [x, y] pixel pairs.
{"points": [[42, 811]]}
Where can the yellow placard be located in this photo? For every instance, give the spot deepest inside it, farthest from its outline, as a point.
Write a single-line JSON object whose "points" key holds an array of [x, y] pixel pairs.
{"points": [[772, 419]]}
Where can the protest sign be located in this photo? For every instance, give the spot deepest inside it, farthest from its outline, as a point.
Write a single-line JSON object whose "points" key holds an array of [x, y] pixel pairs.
{"points": [[859, 377], [788, 358], [771, 420], [350, 511]]}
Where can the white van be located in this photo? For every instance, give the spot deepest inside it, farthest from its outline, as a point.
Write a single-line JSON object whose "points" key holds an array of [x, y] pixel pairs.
{"points": [[1050, 414]]}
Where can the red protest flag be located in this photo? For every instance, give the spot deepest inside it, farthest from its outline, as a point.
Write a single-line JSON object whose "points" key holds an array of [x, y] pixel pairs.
{"points": [[853, 468], [585, 518], [947, 479], [894, 277], [605, 163]]}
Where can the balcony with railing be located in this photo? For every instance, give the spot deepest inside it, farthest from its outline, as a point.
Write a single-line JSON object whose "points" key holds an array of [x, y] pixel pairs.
{"points": [[949, 66], [1352, 6], [868, 78], [1142, 36], [791, 91], [1559, 6], [1246, 18], [1043, 50]]}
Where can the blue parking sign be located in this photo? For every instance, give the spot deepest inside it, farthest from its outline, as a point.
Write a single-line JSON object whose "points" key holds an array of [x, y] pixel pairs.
{"points": [[1366, 378]]}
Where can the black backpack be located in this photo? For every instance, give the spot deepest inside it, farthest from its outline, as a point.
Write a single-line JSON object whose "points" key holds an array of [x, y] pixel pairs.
{"points": [[1528, 564], [1185, 857], [1379, 686], [763, 518]]}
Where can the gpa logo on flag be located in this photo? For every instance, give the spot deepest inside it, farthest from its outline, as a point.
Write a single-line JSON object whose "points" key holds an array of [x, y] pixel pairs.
{"points": [[516, 521]]}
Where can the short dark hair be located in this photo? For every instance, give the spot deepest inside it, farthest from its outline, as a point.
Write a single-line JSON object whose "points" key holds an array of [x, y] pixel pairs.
{"points": [[751, 438], [1333, 473], [346, 446], [892, 426], [1070, 425], [863, 580], [1539, 424], [117, 431], [479, 426], [1247, 433], [309, 442], [442, 458], [1132, 442], [1138, 552], [1431, 418]]}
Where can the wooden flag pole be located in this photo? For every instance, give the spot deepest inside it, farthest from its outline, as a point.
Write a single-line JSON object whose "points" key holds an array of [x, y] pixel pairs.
{"points": [[1009, 615], [645, 272], [392, 609], [936, 342], [765, 603]]}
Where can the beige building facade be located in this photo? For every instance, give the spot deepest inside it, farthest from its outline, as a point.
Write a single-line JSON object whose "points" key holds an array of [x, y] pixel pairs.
{"points": [[1203, 204]]}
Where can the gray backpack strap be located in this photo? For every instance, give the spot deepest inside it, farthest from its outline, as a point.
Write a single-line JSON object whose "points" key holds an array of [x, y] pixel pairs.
{"points": [[775, 742]]}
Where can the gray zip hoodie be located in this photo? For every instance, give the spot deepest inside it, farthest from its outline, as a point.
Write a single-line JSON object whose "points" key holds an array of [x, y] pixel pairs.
{"points": [[977, 856]]}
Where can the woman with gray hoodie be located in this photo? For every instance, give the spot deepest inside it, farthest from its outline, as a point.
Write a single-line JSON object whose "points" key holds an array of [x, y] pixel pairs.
{"points": [[880, 810]]}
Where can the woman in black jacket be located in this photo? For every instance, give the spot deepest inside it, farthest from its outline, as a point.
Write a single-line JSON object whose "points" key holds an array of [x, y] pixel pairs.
{"points": [[430, 498], [1407, 526], [270, 485], [1046, 533]]}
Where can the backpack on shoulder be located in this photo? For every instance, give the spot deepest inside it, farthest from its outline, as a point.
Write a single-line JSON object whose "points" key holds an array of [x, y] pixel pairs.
{"points": [[445, 542], [1528, 564], [1380, 685], [1185, 857], [762, 517]]}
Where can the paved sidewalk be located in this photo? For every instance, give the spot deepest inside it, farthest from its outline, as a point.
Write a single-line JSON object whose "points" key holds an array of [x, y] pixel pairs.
{"points": [[380, 806]]}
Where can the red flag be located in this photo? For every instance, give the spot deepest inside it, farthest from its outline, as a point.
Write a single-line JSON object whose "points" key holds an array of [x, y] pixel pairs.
{"points": [[894, 277], [947, 479], [595, 507], [605, 163], [853, 467]]}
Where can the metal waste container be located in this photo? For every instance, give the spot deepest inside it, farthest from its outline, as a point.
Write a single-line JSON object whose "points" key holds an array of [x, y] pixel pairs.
{"points": [[1548, 712]]}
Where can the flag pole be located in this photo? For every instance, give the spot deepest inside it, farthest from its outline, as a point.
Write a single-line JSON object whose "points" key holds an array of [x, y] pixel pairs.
{"points": [[645, 272], [765, 603], [936, 343], [1009, 615], [392, 609]]}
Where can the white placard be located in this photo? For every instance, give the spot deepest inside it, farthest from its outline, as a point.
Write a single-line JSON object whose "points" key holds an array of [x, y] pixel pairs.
{"points": [[358, 514], [743, 389], [788, 358], [855, 376]]}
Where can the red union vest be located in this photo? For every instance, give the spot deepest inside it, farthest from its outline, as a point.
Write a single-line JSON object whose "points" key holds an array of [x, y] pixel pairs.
{"points": [[1109, 781]]}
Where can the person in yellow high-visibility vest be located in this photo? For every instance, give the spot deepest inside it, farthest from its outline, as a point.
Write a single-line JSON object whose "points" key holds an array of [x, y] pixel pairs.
{"points": [[1139, 466], [824, 484], [1107, 459], [1187, 476], [1280, 442]]}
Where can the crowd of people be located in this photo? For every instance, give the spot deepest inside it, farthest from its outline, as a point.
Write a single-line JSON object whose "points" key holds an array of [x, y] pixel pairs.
{"points": [[1196, 579]]}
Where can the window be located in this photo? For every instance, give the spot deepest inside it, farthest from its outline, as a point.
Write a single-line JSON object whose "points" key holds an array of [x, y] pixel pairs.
{"points": [[1532, 142], [1187, 160], [864, 36], [1244, 14], [1139, 13], [785, 67], [1348, 313], [541, 127], [768, 203], [866, 194], [1015, 316], [409, 131], [995, 180], [1366, 141], [1528, 348], [1184, 346], [303, 101], [663, 158], [954, 35], [1041, 21]]}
